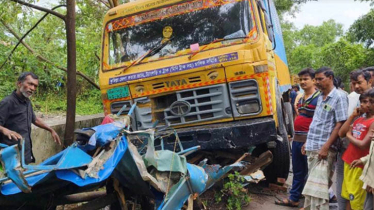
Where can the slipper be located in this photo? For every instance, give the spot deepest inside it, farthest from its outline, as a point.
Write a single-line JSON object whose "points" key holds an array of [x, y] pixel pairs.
{"points": [[283, 203]]}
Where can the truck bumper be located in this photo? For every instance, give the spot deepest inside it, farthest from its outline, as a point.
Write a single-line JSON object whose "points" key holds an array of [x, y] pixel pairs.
{"points": [[230, 135]]}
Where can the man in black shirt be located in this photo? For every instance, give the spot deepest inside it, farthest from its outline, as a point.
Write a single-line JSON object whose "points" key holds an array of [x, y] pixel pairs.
{"points": [[16, 115]]}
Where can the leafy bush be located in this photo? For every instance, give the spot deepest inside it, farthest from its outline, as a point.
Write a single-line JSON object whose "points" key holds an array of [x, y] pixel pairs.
{"points": [[233, 193]]}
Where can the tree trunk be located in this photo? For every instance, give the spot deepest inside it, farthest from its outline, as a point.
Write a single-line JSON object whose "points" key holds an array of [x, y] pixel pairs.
{"points": [[71, 67]]}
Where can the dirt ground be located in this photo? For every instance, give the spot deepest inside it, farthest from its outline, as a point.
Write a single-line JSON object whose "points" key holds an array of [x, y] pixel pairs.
{"points": [[262, 198]]}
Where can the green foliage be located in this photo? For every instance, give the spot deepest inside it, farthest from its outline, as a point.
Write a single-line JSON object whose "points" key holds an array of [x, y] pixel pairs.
{"points": [[49, 41], [303, 56], [55, 103], [289, 36], [324, 45], [233, 193], [320, 35], [362, 30], [287, 6], [343, 57], [283, 6]]}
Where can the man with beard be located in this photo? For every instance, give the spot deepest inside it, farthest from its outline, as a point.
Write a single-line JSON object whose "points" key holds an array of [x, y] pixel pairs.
{"points": [[16, 115]]}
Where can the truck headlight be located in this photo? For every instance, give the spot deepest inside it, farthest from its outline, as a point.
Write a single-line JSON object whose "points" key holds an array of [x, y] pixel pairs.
{"points": [[247, 107], [245, 98], [261, 68]]}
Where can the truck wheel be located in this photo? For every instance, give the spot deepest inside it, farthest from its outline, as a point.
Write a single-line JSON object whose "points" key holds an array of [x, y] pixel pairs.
{"points": [[289, 118], [280, 167]]}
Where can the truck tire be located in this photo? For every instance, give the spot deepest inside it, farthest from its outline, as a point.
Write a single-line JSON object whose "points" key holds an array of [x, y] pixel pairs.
{"points": [[280, 167], [289, 121]]}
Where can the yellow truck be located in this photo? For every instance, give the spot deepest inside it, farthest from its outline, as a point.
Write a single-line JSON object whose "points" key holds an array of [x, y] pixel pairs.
{"points": [[215, 70]]}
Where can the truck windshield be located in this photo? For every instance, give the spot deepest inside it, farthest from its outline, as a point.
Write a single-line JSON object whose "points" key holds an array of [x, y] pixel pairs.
{"points": [[199, 21]]}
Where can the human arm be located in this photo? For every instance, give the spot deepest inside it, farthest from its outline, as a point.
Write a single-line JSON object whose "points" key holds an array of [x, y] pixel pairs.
{"points": [[365, 143], [334, 135], [39, 122], [297, 100], [345, 127], [340, 114]]}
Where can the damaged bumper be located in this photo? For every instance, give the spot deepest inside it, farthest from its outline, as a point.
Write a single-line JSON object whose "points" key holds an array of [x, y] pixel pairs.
{"points": [[230, 135]]}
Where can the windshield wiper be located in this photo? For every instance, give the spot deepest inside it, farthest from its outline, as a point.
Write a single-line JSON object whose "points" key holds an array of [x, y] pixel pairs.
{"points": [[214, 41], [150, 52]]}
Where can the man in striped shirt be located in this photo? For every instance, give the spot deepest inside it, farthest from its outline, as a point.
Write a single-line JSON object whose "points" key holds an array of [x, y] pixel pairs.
{"points": [[305, 109]]}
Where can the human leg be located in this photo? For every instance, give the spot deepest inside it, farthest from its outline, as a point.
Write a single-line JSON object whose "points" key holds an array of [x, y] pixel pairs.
{"points": [[369, 201], [339, 170], [352, 188], [300, 171]]}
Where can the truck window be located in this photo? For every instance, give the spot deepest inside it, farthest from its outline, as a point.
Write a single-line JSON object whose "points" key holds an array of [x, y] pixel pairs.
{"points": [[191, 22], [269, 27]]}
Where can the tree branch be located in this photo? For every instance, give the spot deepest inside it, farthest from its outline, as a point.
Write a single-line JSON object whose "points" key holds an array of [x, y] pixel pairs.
{"points": [[41, 58], [59, 15], [107, 5], [32, 28], [98, 58], [115, 3], [111, 3]]}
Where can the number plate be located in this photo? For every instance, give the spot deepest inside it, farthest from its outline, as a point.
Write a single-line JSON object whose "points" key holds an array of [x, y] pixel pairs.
{"points": [[120, 92]]}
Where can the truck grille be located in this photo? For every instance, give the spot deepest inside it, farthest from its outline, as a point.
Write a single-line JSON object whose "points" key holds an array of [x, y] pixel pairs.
{"points": [[116, 106], [206, 104]]}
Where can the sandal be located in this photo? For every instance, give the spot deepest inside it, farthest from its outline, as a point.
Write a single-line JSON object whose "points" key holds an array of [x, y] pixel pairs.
{"points": [[286, 202]]}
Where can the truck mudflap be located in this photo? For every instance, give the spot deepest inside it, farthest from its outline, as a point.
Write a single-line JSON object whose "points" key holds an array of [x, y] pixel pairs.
{"points": [[230, 135]]}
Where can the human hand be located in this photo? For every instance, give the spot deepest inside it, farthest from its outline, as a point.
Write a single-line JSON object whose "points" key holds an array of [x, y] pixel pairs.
{"points": [[303, 149], [11, 134], [356, 163], [55, 137], [349, 132], [369, 189], [356, 112], [322, 154]]}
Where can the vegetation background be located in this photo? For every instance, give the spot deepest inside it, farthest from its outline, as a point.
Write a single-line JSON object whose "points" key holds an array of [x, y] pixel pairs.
{"points": [[311, 46]]}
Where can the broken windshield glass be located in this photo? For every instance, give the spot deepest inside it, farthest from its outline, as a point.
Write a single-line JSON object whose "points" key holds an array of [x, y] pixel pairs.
{"points": [[204, 24]]}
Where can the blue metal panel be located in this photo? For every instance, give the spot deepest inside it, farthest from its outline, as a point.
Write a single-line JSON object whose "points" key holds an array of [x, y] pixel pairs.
{"points": [[181, 191], [103, 174], [11, 188], [71, 157], [10, 158]]}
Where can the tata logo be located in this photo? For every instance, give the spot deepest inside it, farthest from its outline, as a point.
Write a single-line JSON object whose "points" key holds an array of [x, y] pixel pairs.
{"points": [[174, 83], [180, 108]]}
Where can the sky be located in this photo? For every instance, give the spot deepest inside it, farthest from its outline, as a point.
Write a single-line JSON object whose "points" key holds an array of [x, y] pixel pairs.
{"points": [[342, 11]]}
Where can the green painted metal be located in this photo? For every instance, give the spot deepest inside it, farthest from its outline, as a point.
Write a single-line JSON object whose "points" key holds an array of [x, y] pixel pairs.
{"points": [[118, 92]]}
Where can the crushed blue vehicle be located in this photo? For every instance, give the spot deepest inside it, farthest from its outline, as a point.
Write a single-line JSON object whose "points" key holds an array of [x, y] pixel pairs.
{"points": [[103, 156]]}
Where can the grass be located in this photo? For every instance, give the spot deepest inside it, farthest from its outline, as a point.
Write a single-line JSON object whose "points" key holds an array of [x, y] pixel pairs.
{"points": [[55, 103]]}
